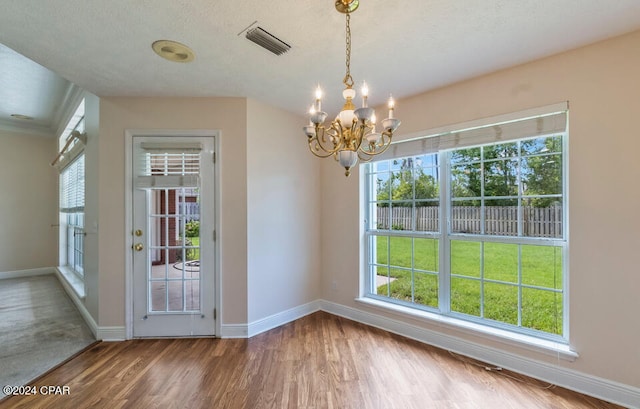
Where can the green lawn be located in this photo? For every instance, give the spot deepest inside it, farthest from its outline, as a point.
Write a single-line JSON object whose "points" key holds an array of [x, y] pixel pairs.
{"points": [[541, 266]]}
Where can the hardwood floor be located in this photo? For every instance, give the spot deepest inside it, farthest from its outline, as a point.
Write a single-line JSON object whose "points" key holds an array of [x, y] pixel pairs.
{"points": [[317, 362]]}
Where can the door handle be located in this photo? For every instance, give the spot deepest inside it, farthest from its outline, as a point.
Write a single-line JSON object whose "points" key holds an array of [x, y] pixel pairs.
{"points": [[138, 247]]}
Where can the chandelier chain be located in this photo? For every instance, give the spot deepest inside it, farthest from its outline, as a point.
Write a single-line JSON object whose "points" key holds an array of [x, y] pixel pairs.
{"points": [[348, 81]]}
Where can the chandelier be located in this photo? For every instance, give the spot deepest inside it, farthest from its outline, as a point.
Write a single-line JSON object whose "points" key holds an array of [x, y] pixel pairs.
{"points": [[352, 134]]}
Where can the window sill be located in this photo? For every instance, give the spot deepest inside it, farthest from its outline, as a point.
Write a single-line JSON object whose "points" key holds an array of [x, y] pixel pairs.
{"points": [[547, 347], [72, 280]]}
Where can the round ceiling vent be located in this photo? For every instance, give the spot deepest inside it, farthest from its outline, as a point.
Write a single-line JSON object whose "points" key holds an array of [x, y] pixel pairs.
{"points": [[173, 51]]}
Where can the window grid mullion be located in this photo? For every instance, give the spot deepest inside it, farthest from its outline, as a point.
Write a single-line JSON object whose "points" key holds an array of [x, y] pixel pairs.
{"points": [[444, 262]]}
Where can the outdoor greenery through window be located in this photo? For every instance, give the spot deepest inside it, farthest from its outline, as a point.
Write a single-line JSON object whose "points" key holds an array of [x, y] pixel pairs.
{"points": [[476, 232]]}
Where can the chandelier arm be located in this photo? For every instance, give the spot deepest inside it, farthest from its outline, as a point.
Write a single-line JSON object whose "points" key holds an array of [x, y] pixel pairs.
{"points": [[319, 155], [317, 147], [366, 158], [385, 134], [320, 130], [384, 146]]}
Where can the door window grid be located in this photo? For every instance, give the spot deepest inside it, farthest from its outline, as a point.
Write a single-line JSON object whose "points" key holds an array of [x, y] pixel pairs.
{"points": [[524, 165], [174, 276]]}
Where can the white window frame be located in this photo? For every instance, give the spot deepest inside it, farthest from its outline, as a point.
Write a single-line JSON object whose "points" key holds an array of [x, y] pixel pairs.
{"points": [[72, 218], [447, 140], [71, 255]]}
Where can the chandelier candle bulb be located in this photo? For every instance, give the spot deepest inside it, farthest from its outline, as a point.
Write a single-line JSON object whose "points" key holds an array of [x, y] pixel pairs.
{"points": [[392, 105], [365, 95], [312, 111], [318, 99]]}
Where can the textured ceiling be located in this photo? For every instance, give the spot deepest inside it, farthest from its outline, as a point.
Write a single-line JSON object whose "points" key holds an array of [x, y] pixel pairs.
{"points": [[399, 47]]}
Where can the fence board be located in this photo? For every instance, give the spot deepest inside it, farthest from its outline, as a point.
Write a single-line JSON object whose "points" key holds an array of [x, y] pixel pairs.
{"points": [[498, 220]]}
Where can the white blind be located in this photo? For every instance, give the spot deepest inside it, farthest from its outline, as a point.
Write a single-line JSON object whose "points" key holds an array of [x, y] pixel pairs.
{"points": [[538, 122], [169, 165], [72, 187]]}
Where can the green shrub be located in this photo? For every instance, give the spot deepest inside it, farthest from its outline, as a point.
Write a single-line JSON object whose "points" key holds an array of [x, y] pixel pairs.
{"points": [[192, 228]]}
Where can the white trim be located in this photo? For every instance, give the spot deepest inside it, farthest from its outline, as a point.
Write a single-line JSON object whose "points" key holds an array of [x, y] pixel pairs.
{"points": [[554, 349], [281, 318], [111, 333], [100, 333], [234, 331], [70, 103], [70, 278], [268, 323], [611, 391], [128, 242], [91, 323], [26, 273]]}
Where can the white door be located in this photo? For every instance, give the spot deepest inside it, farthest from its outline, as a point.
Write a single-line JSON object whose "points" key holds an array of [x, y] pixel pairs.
{"points": [[173, 236]]}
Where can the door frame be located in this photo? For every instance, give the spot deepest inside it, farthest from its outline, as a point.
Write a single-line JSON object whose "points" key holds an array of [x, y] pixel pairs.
{"points": [[129, 134]]}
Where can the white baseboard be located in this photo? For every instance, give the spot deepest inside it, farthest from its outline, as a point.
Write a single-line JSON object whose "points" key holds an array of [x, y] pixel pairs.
{"points": [[234, 331], [111, 333], [281, 318], [608, 390], [100, 333], [265, 324], [27, 273]]}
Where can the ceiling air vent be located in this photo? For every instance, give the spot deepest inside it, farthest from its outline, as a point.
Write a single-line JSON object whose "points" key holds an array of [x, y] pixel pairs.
{"points": [[267, 40]]}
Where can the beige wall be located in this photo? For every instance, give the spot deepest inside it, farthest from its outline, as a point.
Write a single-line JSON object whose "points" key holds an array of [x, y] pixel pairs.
{"points": [[602, 84], [283, 213], [225, 114], [28, 202], [92, 203], [269, 203]]}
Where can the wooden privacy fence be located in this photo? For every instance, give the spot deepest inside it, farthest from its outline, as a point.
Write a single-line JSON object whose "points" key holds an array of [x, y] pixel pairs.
{"points": [[498, 220]]}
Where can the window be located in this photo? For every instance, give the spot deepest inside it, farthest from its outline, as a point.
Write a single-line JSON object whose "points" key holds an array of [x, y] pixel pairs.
{"points": [[72, 213], [72, 183], [472, 225]]}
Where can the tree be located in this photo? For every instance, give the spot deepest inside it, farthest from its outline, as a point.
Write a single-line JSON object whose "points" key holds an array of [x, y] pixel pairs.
{"points": [[400, 185], [542, 172], [500, 170]]}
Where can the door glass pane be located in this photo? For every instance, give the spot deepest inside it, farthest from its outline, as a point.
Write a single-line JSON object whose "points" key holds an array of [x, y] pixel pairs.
{"points": [[174, 227]]}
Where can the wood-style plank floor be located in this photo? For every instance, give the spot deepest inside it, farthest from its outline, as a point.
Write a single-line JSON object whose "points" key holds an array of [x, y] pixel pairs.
{"points": [[320, 361]]}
